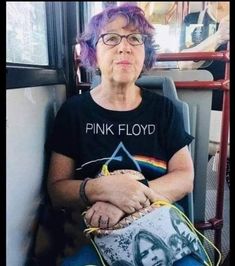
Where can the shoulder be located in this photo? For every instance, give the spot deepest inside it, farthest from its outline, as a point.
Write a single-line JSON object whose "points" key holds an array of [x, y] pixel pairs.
{"points": [[155, 99], [191, 18], [154, 95], [75, 101]]}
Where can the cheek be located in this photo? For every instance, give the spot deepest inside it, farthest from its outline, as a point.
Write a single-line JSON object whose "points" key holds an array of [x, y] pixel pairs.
{"points": [[140, 56], [103, 58]]}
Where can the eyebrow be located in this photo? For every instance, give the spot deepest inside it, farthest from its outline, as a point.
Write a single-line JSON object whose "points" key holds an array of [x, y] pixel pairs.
{"points": [[115, 30]]}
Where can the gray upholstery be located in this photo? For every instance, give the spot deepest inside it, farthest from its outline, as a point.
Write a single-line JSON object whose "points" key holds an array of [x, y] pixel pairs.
{"points": [[166, 87]]}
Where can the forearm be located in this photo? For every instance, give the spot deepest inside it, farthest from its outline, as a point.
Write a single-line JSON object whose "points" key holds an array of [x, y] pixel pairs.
{"points": [[121, 190], [65, 194], [173, 186], [208, 45]]}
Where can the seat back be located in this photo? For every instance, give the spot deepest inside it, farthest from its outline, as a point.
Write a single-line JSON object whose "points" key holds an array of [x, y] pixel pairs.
{"points": [[166, 87]]}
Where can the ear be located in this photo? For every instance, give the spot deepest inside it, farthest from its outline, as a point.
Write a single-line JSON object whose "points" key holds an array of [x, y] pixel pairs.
{"points": [[97, 71]]}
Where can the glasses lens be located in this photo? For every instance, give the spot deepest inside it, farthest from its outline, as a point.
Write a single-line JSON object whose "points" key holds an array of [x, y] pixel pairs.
{"points": [[136, 39], [111, 39]]}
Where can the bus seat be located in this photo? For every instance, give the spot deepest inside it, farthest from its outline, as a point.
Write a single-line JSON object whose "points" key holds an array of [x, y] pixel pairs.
{"points": [[199, 102], [166, 87]]}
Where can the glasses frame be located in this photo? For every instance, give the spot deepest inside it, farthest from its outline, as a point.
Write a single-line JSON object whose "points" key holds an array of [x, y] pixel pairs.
{"points": [[122, 36]]}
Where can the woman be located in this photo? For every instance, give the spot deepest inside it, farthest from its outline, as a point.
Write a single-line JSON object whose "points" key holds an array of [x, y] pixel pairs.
{"points": [[150, 250], [118, 124], [211, 35]]}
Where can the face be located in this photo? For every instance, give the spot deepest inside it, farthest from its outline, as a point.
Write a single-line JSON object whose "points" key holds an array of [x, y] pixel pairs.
{"points": [[178, 246], [151, 254], [121, 63], [182, 227], [221, 9]]}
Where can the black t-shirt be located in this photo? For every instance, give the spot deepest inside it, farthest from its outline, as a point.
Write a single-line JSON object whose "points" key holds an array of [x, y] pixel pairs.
{"points": [[217, 68], [143, 139]]}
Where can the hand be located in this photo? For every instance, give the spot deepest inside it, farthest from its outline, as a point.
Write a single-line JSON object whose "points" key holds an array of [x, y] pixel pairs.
{"points": [[223, 31], [126, 193], [103, 215]]}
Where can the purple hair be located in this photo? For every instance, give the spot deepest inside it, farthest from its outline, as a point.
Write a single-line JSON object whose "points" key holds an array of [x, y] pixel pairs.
{"points": [[134, 17]]}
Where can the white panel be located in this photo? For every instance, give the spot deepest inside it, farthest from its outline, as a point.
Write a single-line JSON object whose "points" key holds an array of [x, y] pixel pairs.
{"points": [[195, 6], [29, 112]]}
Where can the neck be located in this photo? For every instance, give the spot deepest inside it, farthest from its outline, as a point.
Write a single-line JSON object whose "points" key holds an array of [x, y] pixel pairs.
{"points": [[119, 97]]}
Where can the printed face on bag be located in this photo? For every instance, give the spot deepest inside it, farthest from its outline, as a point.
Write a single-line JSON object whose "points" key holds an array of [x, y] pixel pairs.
{"points": [[177, 223], [179, 246], [151, 254]]}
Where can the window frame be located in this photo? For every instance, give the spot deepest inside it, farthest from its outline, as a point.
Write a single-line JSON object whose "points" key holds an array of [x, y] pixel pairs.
{"points": [[25, 75]]}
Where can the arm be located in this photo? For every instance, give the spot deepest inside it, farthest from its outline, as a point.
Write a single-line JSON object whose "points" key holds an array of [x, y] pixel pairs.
{"points": [[179, 179], [103, 214], [121, 190], [210, 44], [172, 186], [64, 191]]}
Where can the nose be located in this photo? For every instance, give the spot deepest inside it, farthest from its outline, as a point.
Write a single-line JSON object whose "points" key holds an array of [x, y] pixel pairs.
{"points": [[152, 256], [124, 46]]}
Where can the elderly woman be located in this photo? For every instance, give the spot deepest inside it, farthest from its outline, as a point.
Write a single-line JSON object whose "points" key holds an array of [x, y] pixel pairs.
{"points": [[120, 125]]}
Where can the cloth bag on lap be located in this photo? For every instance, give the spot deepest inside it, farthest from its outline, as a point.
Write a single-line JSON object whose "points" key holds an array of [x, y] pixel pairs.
{"points": [[156, 235]]}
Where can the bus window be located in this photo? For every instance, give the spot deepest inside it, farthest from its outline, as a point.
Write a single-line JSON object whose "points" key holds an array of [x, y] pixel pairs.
{"points": [[27, 33]]}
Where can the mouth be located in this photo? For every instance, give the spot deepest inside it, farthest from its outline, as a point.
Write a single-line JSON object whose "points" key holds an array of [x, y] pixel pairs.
{"points": [[124, 62], [159, 263]]}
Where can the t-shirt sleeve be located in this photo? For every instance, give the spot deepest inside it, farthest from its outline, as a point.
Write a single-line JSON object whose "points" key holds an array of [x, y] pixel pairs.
{"points": [[63, 136], [174, 133]]}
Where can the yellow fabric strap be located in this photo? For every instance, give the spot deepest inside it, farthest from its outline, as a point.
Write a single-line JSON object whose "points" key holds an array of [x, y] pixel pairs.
{"points": [[105, 170], [98, 252], [90, 230], [193, 229]]}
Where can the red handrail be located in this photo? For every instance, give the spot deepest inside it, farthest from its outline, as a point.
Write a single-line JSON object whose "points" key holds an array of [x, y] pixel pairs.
{"points": [[186, 56], [222, 156], [205, 85], [215, 223]]}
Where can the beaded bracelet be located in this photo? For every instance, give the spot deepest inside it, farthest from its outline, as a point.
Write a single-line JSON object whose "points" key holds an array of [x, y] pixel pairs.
{"points": [[82, 192]]}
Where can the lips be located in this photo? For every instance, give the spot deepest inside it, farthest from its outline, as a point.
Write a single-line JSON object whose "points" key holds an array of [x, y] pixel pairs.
{"points": [[124, 62]]}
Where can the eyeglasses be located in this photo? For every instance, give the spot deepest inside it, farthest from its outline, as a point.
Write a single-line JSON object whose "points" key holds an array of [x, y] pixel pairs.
{"points": [[113, 39]]}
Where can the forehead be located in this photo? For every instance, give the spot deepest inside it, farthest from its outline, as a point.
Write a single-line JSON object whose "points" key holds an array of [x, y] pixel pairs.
{"points": [[118, 23], [144, 244]]}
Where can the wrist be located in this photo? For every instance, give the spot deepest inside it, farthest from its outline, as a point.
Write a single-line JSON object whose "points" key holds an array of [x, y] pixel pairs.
{"points": [[95, 190], [82, 192]]}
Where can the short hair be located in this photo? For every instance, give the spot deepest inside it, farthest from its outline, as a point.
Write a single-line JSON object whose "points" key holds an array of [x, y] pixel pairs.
{"points": [[121, 263], [134, 16], [174, 240], [143, 234]]}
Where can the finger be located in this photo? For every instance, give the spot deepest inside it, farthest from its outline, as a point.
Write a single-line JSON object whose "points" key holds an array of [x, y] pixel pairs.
{"points": [[103, 222], [150, 194], [138, 206], [146, 203], [89, 214], [129, 209], [95, 220]]}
